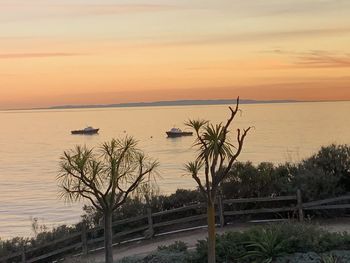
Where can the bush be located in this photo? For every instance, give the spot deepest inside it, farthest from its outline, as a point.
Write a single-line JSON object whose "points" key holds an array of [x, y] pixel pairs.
{"points": [[325, 174], [136, 206], [312, 257], [266, 246], [266, 243], [315, 184], [162, 256], [334, 160], [166, 257], [246, 180], [16, 244], [131, 260], [178, 246]]}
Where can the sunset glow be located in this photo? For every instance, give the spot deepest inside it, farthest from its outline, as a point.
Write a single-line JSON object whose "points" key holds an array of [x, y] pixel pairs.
{"points": [[57, 52]]}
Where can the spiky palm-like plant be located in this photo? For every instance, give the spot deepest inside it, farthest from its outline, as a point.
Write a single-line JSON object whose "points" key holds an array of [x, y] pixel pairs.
{"points": [[267, 246], [330, 259], [104, 176], [216, 156]]}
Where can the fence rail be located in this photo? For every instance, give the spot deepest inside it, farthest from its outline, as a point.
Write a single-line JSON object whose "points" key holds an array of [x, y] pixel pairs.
{"points": [[151, 224]]}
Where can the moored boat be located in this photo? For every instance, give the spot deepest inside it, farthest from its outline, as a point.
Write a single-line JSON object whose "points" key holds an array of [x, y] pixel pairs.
{"points": [[176, 132], [87, 131]]}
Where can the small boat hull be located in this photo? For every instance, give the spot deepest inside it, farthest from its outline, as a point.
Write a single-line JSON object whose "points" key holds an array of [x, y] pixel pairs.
{"points": [[178, 134], [85, 132]]}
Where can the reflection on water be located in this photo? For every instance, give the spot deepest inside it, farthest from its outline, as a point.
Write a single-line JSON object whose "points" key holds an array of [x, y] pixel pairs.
{"points": [[31, 143]]}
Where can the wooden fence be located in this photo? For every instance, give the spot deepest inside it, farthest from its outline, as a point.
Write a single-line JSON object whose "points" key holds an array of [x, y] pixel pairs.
{"points": [[165, 222]]}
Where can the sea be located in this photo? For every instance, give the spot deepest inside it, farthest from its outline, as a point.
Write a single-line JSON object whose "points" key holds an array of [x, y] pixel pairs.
{"points": [[32, 142]]}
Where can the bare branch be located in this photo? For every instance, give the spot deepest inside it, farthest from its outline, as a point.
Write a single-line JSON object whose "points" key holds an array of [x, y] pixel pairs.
{"points": [[240, 140]]}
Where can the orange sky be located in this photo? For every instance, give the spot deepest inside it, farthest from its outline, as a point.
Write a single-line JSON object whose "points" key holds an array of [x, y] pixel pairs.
{"points": [[107, 51]]}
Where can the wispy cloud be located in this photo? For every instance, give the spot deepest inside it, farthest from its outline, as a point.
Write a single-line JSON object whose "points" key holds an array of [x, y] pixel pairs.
{"points": [[105, 9], [36, 55], [323, 59], [314, 58], [258, 36], [84, 9], [294, 7]]}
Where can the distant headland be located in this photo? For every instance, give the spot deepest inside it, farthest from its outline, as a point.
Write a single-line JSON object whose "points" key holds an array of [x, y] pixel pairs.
{"points": [[171, 103]]}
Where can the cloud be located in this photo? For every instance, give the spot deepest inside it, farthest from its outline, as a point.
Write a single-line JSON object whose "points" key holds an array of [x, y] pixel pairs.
{"points": [[115, 9], [36, 55], [258, 36], [29, 11], [323, 59], [85, 9], [292, 7], [314, 58]]}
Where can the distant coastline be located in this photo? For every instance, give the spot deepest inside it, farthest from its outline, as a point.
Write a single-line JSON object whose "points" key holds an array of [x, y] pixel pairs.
{"points": [[165, 103], [170, 103]]}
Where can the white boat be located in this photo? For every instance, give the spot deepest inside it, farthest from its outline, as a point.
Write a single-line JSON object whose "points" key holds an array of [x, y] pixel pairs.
{"points": [[177, 132]]}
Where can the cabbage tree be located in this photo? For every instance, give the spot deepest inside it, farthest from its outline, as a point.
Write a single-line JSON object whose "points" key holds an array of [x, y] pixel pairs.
{"points": [[105, 176], [215, 158]]}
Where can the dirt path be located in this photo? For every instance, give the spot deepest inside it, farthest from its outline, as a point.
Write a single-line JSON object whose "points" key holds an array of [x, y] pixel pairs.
{"points": [[191, 237]]}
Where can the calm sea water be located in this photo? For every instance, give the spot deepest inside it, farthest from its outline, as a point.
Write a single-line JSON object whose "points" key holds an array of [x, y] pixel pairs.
{"points": [[31, 143]]}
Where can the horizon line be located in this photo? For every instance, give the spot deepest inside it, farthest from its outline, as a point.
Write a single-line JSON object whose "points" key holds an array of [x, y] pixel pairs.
{"points": [[162, 103]]}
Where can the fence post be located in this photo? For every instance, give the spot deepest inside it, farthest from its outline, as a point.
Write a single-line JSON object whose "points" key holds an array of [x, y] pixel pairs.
{"points": [[23, 254], [300, 206], [150, 231], [221, 211], [84, 245]]}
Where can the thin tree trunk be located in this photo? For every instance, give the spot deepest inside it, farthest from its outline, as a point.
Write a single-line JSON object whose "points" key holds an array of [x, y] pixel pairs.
{"points": [[211, 231], [108, 237]]}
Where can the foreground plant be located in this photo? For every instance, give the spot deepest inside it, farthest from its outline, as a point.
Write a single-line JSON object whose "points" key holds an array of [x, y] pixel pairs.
{"points": [[216, 155], [266, 247], [105, 177], [329, 259]]}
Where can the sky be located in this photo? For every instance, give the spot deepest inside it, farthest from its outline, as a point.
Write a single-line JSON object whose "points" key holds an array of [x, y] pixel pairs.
{"points": [[59, 52]]}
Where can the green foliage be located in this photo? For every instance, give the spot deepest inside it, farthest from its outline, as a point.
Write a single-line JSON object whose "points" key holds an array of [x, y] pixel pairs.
{"points": [[246, 180], [335, 256], [133, 259], [166, 257], [16, 244], [178, 246], [176, 253], [316, 184], [135, 206], [180, 198], [12, 245], [266, 243], [310, 257], [266, 246], [334, 161], [325, 174], [329, 259], [279, 243]]}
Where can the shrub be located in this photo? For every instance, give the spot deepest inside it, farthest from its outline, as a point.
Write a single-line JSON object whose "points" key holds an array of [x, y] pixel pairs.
{"points": [[178, 246], [265, 243], [163, 256], [166, 257], [131, 260], [246, 180], [334, 160], [266, 246], [324, 174], [312, 257], [315, 184]]}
